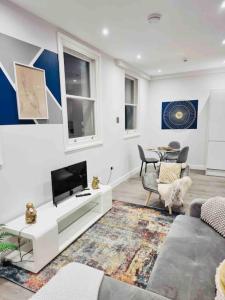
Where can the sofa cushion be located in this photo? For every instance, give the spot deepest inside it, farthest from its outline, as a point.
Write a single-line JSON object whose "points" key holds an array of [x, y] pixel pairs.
{"points": [[186, 266], [213, 213], [112, 289]]}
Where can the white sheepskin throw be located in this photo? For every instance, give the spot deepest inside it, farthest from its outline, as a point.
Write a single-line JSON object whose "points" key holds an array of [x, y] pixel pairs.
{"points": [[173, 194]]}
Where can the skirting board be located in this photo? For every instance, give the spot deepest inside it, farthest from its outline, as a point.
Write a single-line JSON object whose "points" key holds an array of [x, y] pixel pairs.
{"points": [[124, 177], [212, 172], [198, 167]]}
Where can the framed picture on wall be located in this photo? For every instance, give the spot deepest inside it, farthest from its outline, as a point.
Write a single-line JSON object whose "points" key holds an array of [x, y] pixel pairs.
{"points": [[31, 92], [181, 114]]}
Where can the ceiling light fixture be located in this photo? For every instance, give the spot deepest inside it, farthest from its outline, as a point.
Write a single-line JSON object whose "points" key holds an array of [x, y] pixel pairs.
{"points": [[105, 31], [138, 56], [223, 42], [223, 5], [154, 18]]}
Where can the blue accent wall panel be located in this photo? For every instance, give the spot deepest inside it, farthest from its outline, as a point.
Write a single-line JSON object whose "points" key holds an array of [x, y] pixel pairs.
{"points": [[180, 114], [48, 61], [8, 104]]}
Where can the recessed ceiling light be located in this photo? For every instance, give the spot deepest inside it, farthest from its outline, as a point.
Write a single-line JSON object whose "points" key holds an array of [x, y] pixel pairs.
{"points": [[159, 71], [105, 31], [138, 56], [74, 80], [223, 42], [223, 5]]}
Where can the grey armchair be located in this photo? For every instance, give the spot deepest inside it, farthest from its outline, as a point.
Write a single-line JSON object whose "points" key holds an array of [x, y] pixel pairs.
{"points": [[146, 160], [172, 156], [150, 184]]}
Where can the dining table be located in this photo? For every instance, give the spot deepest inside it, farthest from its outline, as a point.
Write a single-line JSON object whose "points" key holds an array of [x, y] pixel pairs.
{"points": [[162, 150]]}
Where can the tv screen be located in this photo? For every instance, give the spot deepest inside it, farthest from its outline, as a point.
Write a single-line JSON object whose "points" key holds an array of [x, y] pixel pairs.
{"points": [[66, 181]]}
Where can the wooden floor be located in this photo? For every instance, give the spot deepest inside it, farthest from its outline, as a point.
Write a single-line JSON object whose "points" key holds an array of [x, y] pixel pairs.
{"points": [[132, 191]]}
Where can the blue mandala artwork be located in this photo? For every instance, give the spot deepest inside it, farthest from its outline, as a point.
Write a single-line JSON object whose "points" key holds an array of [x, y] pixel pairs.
{"points": [[180, 114]]}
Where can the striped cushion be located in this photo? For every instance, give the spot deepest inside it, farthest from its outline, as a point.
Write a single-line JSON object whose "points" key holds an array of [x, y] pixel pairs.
{"points": [[213, 213], [169, 172]]}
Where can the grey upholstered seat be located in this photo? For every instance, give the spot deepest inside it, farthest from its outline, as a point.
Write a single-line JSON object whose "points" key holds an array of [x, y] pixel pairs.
{"points": [[151, 160], [112, 289], [186, 266], [146, 160], [172, 155]]}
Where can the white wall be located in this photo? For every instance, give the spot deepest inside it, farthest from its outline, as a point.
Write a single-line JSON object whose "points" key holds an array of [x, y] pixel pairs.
{"points": [[184, 88], [30, 152]]}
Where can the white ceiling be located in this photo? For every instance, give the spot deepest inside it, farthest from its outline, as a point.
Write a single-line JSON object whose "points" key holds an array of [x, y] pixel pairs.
{"points": [[189, 28]]}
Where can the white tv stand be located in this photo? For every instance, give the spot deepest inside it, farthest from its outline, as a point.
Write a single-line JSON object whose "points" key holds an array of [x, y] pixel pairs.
{"points": [[57, 227]]}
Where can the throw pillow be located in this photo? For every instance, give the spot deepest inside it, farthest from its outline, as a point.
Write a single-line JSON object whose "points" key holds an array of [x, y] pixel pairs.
{"points": [[220, 281], [169, 172], [213, 213]]}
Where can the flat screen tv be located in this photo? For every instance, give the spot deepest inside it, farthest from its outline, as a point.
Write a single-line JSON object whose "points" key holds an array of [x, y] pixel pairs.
{"points": [[68, 180]]}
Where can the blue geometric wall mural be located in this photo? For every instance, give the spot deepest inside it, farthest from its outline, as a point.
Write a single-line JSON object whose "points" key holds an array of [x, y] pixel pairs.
{"points": [[8, 104], [180, 114], [48, 61], [16, 50]]}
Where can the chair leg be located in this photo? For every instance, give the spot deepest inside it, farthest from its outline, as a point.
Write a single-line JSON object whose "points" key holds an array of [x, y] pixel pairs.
{"points": [[141, 168], [145, 167], [154, 166], [160, 198], [170, 210], [148, 199]]}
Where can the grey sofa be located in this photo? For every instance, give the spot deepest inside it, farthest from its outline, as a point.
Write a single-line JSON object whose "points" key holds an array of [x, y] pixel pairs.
{"points": [[185, 268]]}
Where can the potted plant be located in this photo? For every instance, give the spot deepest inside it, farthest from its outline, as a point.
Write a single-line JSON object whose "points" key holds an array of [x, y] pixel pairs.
{"points": [[5, 244]]}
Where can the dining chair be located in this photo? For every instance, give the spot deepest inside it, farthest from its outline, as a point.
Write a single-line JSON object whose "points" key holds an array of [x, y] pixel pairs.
{"points": [[183, 155], [173, 156], [146, 160], [174, 145]]}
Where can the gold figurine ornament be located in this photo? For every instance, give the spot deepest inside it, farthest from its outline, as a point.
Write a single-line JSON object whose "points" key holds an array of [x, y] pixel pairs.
{"points": [[31, 213], [95, 183]]}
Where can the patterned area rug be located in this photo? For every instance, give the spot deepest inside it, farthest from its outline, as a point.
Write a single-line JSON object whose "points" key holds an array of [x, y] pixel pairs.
{"points": [[124, 244]]}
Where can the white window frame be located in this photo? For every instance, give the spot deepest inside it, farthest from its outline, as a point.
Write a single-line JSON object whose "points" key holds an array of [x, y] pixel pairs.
{"points": [[94, 58], [129, 133]]}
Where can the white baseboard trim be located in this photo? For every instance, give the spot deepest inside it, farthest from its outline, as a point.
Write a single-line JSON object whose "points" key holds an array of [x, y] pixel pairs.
{"points": [[124, 177], [198, 167], [218, 173]]}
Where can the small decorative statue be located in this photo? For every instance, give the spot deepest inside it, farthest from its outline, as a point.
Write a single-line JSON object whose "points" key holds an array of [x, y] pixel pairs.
{"points": [[95, 183], [31, 213]]}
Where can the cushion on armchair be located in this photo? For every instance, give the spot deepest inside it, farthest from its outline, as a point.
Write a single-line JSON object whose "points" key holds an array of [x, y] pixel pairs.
{"points": [[169, 172], [213, 213]]}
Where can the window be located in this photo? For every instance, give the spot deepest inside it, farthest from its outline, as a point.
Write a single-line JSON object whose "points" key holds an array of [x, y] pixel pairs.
{"points": [[79, 72], [131, 104]]}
